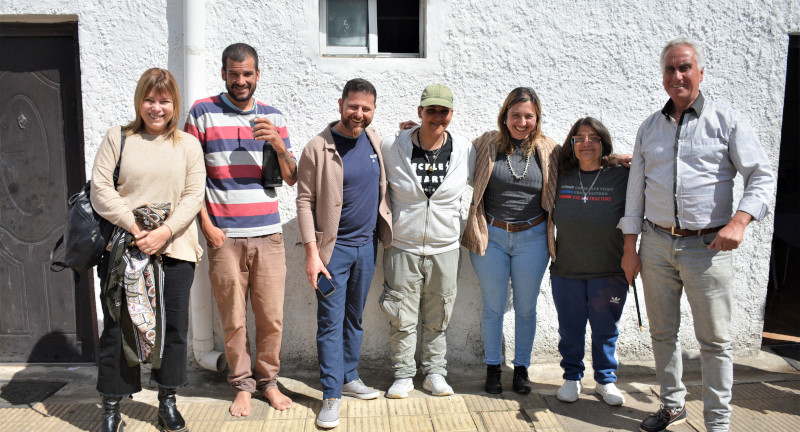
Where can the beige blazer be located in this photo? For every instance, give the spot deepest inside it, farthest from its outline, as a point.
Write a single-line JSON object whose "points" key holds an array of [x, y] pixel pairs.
{"points": [[319, 193]]}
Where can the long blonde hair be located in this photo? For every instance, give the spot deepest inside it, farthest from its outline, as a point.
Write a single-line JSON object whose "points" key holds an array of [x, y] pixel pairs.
{"points": [[519, 94], [164, 83]]}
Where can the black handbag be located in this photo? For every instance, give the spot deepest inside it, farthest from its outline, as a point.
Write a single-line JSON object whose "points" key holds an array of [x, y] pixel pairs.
{"points": [[86, 233]]}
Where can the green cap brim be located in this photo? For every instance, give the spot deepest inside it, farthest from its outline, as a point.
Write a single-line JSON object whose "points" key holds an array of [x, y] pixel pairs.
{"points": [[436, 101]]}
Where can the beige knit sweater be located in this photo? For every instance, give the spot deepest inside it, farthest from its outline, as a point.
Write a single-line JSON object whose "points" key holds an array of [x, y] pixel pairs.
{"points": [[153, 170]]}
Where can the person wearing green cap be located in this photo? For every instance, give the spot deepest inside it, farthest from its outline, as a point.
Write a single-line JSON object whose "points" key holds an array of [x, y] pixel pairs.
{"points": [[427, 169]]}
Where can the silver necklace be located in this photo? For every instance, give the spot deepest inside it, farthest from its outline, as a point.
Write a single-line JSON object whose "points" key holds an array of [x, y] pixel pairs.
{"points": [[435, 153], [586, 192], [525, 171]]}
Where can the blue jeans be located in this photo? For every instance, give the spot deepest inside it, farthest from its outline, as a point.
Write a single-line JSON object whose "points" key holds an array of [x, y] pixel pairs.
{"points": [[522, 257], [671, 266], [339, 315], [600, 301]]}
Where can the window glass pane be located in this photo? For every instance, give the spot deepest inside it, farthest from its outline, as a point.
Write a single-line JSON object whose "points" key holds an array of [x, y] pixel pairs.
{"points": [[347, 23], [398, 26]]}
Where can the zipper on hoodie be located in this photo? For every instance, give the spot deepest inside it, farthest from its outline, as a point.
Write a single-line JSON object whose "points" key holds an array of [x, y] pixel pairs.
{"points": [[425, 226]]}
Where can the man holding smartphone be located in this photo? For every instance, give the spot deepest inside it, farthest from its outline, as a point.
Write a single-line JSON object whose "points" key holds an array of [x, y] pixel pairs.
{"points": [[242, 225], [342, 212]]}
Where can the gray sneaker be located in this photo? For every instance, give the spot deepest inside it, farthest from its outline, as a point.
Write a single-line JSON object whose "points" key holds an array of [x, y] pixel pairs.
{"points": [[437, 385], [329, 414], [359, 390]]}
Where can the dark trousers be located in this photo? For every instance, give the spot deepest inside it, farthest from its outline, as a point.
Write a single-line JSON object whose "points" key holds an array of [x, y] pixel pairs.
{"points": [[339, 329], [599, 301], [114, 376]]}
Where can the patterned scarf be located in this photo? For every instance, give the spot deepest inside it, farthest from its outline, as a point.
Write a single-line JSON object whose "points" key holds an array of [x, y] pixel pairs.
{"points": [[141, 278]]}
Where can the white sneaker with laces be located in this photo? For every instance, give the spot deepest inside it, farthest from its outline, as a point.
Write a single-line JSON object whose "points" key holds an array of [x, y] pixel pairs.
{"points": [[570, 391], [359, 390], [328, 417], [437, 385], [610, 393], [400, 388]]}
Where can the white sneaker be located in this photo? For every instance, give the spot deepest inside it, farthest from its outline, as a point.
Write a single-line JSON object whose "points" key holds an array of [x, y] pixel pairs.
{"points": [[359, 390], [437, 385], [400, 388], [610, 393], [328, 417], [570, 391]]}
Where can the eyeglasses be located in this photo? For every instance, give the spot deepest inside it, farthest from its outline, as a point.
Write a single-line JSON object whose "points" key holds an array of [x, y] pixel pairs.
{"points": [[582, 139]]}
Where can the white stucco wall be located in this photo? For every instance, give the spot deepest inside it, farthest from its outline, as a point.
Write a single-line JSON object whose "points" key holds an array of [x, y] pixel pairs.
{"points": [[583, 57]]}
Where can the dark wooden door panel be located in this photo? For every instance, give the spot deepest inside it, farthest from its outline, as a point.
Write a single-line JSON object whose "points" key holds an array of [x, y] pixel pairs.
{"points": [[44, 316], [31, 121]]}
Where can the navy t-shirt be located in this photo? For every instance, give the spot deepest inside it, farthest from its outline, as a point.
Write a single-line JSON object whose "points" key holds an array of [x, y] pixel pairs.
{"points": [[360, 189]]}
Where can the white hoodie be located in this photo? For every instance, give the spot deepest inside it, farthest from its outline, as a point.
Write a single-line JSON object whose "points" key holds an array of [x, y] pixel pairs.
{"points": [[422, 225]]}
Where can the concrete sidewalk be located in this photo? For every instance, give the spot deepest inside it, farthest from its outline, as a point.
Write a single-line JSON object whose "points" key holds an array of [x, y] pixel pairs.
{"points": [[766, 397]]}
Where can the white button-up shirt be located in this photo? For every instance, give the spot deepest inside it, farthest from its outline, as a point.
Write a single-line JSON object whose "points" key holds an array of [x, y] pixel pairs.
{"points": [[682, 172]]}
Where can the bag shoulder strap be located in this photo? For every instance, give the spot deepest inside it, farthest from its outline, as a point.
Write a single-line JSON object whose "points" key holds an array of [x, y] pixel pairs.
{"points": [[58, 266], [119, 160]]}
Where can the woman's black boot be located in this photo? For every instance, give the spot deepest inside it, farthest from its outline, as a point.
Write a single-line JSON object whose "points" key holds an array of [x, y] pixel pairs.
{"points": [[112, 421], [168, 416], [522, 384], [493, 384]]}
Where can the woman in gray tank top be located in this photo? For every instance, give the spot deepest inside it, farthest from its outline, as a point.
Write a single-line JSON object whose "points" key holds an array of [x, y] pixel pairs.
{"points": [[514, 189]]}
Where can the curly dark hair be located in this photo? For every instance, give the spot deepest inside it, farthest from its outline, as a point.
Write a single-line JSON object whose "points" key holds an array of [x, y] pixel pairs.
{"points": [[567, 160]]}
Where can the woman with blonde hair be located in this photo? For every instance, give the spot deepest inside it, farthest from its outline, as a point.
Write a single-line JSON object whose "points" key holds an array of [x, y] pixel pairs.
{"points": [[148, 180], [509, 232]]}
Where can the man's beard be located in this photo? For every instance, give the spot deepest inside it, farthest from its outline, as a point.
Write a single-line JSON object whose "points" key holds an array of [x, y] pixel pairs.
{"points": [[241, 99]]}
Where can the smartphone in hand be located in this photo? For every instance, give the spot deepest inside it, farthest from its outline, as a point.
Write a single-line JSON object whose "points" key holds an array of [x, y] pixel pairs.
{"points": [[324, 285]]}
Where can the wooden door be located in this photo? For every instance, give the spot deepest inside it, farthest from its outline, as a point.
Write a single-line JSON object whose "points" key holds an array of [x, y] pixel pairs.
{"points": [[781, 320], [44, 316]]}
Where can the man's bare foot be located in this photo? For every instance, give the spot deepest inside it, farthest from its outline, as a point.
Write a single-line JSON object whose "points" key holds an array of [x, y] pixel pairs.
{"points": [[241, 405], [278, 400]]}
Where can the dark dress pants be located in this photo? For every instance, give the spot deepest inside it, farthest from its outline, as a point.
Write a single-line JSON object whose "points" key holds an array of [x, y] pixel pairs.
{"points": [[114, 376]]}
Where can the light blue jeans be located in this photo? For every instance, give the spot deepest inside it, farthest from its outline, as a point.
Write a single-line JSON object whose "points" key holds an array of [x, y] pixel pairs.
{"points": [[521, 257], [670, 266]]}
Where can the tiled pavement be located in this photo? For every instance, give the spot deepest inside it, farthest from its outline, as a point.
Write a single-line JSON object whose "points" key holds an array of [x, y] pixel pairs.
{"points": [[765, 399]]}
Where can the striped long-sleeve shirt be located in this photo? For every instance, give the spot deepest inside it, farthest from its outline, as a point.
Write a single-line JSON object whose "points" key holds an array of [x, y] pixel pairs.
{"points": [[235, 200]]}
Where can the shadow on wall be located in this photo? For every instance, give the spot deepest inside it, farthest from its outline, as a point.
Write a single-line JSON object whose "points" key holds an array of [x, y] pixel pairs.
{"points": [[299, 349], [465, 345]]}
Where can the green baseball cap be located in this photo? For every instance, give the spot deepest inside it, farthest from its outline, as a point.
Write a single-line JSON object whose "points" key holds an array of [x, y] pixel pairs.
{"points": [[437, 94]]}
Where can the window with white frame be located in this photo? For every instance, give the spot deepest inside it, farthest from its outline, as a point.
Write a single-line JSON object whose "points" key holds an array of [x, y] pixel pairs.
{"points": [[391, 28]]}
